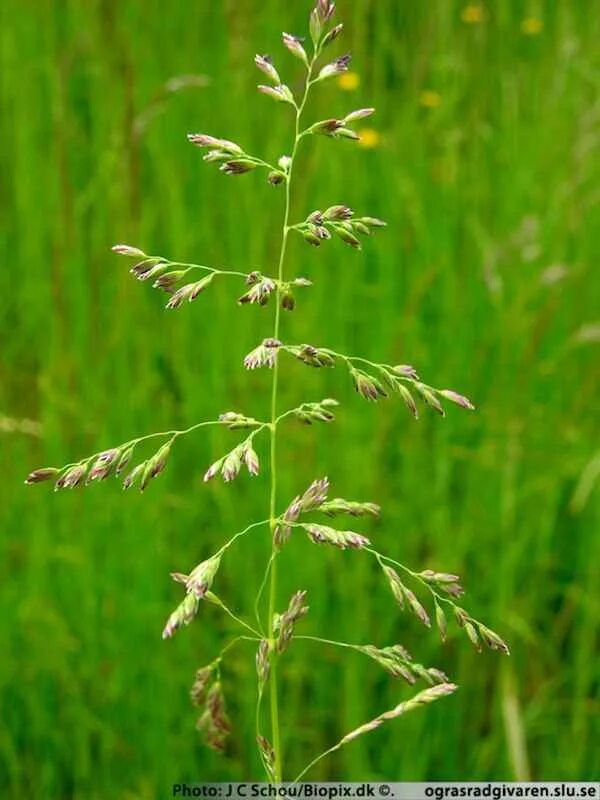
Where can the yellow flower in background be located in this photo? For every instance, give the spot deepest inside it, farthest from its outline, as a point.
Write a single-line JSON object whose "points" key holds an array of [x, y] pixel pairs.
{"points": [[531, 26], [369, 138], [472, 14], [430, 99], [349, 81]]}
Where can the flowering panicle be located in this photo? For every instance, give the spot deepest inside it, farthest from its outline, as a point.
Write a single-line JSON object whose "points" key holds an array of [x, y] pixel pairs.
{"points": [[263, 665], [183, 283], [183, 615], [312, 356], [337, 220], [386, 380], [103, 465], [312, 499], [398, 662], [425, 697], [478, 633], [308, 413], [295, 44], [438, 584], [267, 754], [443, 582], [281, 93], [260, 289], [214, 723], [284, 624], [265, 64], [265, 355], [338, 128], [235, 421], [200, 579], [231, 158], [404, 596], [322, 534], [230, 465], [201, 684], [337, 67], [338, 506]]}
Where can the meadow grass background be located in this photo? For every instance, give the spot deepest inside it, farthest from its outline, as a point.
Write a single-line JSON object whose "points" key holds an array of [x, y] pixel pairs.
{"points": [[484, 161]]}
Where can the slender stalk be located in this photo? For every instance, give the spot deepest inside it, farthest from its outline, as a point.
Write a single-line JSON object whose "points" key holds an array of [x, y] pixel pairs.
{"points": [[274, 700], [218, 602]]}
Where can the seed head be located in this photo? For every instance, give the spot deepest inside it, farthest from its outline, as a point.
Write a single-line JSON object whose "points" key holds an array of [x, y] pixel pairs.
{"points": [[235, 421], [127, 250], [430, 398], [232, 465], [408, 399], [287, 298], [337, 67], [406, 371], [71, 478], [199, 688], [143, 269], [321, 534], [204, 140], [268, 755], [287, 621], [337, 213], [347, 236], [263, 666], [441, 621], [325, 9], [314, 496], [103, 465], [313, 356], [183, 615], [214, 723], [260, 291], [332, 35], [178, 297], [134, 475], [265, 355], [280, 93], [213, 470], [169, 280], [373, 222], [200, 286], [425, 697], [338, 506], [361, 113], [459, 399], [265, 64], [251, 458], [367, 386], [294, 45], [238, 166], [40, 475], [275, 177], [200, 579]]}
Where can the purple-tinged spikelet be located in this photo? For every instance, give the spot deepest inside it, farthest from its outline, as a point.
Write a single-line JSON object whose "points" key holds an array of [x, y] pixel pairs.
{"points": [[337, 67], [265, 64], [294, 45], [40, 475]]}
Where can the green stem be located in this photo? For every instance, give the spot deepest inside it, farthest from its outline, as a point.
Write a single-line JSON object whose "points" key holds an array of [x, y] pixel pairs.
{"points": [[214, 270], [236, 536], [317, 759], [218, 602], [275, 733]]}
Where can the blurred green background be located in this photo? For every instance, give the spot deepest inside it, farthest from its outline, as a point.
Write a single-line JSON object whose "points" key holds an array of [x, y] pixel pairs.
{"points": [[483, 159]]}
